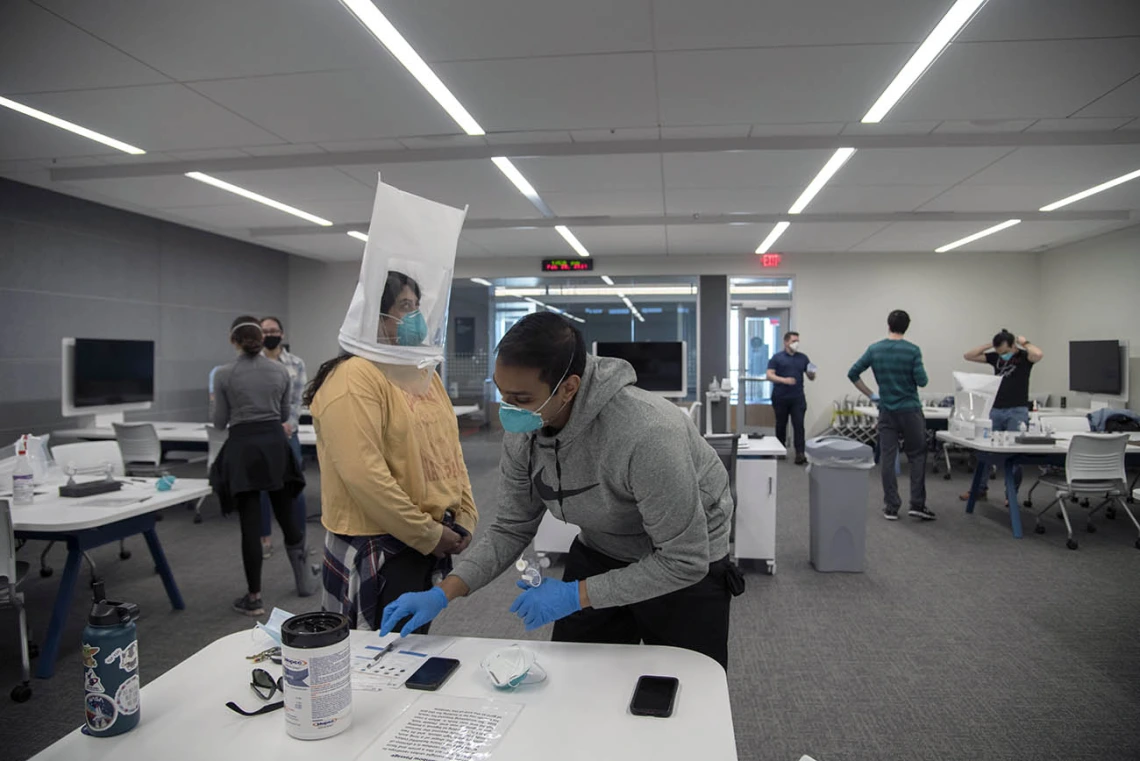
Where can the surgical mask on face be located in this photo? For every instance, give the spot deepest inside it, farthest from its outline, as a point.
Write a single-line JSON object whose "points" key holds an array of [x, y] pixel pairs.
{"points": [[521, 420], [272, 342], [794, 346], [412, 329], [1006, 356]]}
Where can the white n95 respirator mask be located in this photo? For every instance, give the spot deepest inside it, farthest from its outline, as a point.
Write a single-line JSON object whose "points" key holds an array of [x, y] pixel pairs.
{"points": [[510, 666]]}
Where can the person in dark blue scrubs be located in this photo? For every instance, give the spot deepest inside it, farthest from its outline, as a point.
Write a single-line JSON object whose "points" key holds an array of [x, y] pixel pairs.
{"points": [[786, 371]]}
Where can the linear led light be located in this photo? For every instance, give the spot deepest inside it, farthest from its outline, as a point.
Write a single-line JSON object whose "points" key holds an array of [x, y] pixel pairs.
{"points": [[837, 160], [519, 292], [1091, 191], [753, 290], [955, 19], [607, 280], [259, 198], [534, 301], [971, 238], [481, 281], [55, 121], [575, 244], [773, 236], [390, 37], [357, 235], [619, 291]]}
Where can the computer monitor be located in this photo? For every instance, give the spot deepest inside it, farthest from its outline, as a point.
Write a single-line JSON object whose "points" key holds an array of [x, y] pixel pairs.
{"points": [[103, 376], [661, 366], [1096, 367]]}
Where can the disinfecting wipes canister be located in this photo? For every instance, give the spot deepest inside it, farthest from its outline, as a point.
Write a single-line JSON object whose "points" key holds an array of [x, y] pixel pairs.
{"points": [[315, 661]]}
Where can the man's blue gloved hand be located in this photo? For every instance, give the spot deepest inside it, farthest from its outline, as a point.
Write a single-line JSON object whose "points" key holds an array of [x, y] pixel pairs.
{"points": [[423, 607], [546, 603]]}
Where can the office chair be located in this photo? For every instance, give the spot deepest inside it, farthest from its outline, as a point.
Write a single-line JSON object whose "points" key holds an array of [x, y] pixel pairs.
{"points": [[1094, 467], [87, 454], [1061, 424], [12, 572], [141, 450], [726, 446]]}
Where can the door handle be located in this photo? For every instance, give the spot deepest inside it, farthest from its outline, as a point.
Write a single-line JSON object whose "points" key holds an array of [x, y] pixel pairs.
{"points": [[769, 486]]}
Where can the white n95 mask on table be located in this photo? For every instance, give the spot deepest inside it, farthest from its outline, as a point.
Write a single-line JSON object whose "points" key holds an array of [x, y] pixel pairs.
{"points": [[510, 666]]}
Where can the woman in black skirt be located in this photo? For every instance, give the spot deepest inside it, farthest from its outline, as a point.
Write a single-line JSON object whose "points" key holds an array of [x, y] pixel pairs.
{"points": [[251, 397]]}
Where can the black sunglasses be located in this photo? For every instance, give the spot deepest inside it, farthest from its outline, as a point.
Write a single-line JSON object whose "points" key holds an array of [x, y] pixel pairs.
{"points": [[265, 687]]}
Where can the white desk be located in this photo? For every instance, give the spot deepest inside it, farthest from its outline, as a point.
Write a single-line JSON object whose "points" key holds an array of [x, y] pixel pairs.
{"points": [[84, 526], [170, 433], [930, 413], [580, 711]]}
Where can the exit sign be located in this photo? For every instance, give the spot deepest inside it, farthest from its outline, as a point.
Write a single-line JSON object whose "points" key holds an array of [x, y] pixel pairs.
{"points": [[567, 265], [770, 260]]}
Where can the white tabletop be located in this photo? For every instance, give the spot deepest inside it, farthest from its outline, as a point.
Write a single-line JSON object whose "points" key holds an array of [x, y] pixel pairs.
{"points": [[580, 712], [930, 413], [1061, 445], [51, 512], [769, 446], [170, 432]]}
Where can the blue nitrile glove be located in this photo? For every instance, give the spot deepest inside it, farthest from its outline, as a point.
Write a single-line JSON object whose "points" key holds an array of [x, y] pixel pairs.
{"points": [[875, 398], [423, 607], [546, 603]]}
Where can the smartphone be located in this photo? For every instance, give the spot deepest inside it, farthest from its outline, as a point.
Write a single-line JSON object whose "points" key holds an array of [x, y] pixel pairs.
{"points": [[432, 674], [654, 696]]}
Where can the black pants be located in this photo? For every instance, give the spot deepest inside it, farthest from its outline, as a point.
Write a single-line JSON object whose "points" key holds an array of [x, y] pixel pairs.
{"points": [[910, 427], [693, 618], [795, 408], [249, 515], [406, 571]]}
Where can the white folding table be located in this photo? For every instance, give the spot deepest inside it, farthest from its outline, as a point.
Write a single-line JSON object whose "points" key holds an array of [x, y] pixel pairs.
{"points": [[580, 712], [169, 433], [84, 526]]}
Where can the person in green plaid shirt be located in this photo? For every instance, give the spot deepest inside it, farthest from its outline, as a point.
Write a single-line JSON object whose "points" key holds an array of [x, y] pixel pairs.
{"points": [[274, 333]]}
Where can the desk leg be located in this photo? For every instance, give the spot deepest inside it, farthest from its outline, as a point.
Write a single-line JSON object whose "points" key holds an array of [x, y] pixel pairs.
{"points": [[63, 597], [978, 482], [163, 569], [1011, 495]]}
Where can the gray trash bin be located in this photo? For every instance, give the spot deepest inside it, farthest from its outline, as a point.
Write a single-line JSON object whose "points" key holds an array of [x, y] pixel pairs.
{"points": [[839, 482]]}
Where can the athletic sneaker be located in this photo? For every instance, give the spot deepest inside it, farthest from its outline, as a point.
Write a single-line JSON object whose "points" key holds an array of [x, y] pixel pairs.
{"points": [[267, 550], [922, 512], [891, 513], [249, 607], [801, 460]]}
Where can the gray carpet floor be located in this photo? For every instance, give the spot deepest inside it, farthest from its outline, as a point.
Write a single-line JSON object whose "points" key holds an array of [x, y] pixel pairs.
{"points": [[958, 642]]}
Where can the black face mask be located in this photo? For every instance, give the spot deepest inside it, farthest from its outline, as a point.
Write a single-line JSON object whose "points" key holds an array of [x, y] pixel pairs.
{"points": [[272, 342]]}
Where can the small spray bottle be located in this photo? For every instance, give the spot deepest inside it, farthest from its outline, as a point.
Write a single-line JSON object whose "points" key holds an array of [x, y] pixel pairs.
{"points": [[530, 570]]}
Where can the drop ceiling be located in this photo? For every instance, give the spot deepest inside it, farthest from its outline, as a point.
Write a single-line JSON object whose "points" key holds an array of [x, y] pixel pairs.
{"points": [[643, 124]]}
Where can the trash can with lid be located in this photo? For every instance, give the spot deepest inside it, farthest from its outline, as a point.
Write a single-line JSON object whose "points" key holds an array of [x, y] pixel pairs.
{"points": [[838, 488]]}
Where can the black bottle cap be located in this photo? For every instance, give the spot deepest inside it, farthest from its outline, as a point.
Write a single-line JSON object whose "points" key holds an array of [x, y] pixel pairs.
{"points": [[108, 613], [317, 629]]}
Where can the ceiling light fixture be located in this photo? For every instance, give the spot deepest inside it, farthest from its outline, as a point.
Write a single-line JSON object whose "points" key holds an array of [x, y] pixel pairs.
{"points": [[200, 177], [481, 281], [971, 238], [55, 121], [607, 280], [568, 236], [357, 235], [833, 165], [953, 22], [390, 37], [1091, 191], [773, 236]]}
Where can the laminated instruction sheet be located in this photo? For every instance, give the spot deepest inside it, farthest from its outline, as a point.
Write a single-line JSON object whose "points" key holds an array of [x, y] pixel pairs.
{"points": [[386, 663], [446, 728]]}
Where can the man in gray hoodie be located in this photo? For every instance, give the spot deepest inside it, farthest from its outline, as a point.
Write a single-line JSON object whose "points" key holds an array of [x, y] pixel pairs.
{"points": [[627, 467]]}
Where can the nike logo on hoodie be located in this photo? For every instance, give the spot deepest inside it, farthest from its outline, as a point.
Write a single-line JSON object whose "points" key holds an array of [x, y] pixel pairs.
{"points": [[549, 494]]}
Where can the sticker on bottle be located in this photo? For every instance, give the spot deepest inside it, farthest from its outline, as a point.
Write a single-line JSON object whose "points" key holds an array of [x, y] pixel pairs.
{"points": [[89, 654], [91, 681], [101, 711], [128, 657], [127, 696]]}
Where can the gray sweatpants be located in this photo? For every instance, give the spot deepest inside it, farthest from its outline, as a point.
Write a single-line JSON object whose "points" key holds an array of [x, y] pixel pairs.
{"points": [[910, 426]]}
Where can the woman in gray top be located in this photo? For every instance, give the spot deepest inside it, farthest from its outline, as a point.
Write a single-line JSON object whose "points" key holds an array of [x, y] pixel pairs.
{"points": [[251, 399]]}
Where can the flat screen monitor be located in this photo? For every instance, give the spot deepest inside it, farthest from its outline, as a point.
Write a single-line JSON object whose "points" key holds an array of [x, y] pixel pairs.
{"points": [[661, 366], [112, 372], [1095, 367]]}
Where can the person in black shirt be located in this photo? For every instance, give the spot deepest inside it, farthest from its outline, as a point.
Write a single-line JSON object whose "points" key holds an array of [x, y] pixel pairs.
{"points": [[786, 371], [1012, 359]]}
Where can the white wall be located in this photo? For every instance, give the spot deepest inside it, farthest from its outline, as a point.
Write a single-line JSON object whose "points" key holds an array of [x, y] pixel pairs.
{"points": [[319, 294], [1090, 290]]}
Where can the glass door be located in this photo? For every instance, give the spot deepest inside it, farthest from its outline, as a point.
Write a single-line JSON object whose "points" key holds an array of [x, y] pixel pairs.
{"points": [[757, 334]]}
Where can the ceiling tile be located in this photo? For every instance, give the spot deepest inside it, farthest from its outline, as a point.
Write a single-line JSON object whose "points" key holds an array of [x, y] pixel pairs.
{"points": [[158, 192], [1053, 19], [214, 39], [1016, 80], [1081, 124], [918, 166], [468, 248], [1079, 166], [154, 117], [743, 169], [919, 237], [42, 52], [23, 138], [622, 241], [1031, 197], [580, 92], [715, 239], [297, 186], [836, 198], [685, 25], [329, 106], [985, 125], [814, 84], [536, 242], [359, 212], [819, 237], [605, 203], [585, 173], [459, 30], [1030, 236], [730, 200], [1123, 101], [326, 246], [240, 215]]}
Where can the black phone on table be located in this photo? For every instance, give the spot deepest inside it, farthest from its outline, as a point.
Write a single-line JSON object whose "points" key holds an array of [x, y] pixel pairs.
{"points": [[654, 696], [432, 674]]}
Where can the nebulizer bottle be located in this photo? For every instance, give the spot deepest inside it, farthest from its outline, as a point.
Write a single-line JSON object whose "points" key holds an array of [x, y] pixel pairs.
{"points": [[530, 569]]}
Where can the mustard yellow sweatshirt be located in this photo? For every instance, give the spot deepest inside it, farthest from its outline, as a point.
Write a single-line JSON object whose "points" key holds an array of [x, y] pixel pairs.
{"points": [[390, 458]]}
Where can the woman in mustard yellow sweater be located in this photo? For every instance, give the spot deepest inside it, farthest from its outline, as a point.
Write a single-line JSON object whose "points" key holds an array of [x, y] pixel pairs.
{"points": [[395, 495]]}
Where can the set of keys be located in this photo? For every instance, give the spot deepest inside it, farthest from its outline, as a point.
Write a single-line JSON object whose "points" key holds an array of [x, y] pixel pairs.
{"points": [[272, 654]]}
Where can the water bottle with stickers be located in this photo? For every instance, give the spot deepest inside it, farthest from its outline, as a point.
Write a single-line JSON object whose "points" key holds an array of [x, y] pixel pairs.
{"points": [[111, 669]]}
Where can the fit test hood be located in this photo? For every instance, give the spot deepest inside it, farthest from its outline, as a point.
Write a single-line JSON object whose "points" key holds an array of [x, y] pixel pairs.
{"points": [[417, 238]]}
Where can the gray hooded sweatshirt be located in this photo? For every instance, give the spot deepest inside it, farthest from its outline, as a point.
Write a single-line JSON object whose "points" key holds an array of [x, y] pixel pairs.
{"points": [[632, 472]]}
